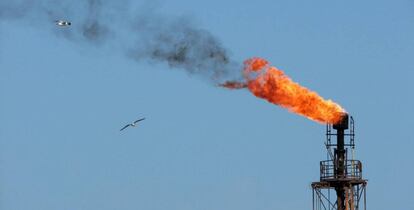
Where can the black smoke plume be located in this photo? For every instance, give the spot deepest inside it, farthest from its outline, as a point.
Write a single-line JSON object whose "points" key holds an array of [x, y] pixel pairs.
{"points": [[145, 36]]}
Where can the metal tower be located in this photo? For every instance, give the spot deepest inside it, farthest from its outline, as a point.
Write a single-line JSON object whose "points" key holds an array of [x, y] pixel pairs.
{"points": [[340, 173]]}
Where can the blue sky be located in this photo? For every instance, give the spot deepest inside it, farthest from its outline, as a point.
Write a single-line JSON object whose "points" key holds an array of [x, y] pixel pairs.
{"points": [[202, 147]]}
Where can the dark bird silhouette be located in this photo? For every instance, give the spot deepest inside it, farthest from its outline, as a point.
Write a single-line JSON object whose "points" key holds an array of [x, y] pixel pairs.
{"points": [[132, 124]]}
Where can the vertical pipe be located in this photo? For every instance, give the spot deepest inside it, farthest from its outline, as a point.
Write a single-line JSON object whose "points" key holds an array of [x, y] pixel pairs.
{"points": [[329, 198], [365, 197], [346, 199], [341, 153], [339, 161], [313, 198], [352, 197], [340, 191]]}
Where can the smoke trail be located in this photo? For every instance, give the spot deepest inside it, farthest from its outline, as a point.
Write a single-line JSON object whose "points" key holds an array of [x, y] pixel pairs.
{"points": [[92, 28], [182, 45], [88, 16], [150, 37]]}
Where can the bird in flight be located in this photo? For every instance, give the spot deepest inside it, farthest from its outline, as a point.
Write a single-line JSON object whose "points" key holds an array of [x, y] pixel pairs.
{"points": [[63, 23], [132, 124]]}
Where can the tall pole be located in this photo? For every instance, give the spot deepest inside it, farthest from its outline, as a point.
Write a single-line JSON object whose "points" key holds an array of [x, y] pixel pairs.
{"points": [[340, 162]]}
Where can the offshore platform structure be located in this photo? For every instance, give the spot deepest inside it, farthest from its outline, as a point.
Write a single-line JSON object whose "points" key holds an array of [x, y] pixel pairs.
{"points": [[341, 186]]}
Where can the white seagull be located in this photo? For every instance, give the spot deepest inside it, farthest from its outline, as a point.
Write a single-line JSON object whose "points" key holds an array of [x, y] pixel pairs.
{"points": [[63, 23], [132, 124]]}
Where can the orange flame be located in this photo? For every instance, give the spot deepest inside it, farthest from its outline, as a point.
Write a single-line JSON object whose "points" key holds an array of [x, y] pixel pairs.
{"points": [[270, 83]]}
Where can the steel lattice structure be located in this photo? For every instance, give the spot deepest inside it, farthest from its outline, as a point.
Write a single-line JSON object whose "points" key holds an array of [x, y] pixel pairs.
{"points": [[341, 186]]}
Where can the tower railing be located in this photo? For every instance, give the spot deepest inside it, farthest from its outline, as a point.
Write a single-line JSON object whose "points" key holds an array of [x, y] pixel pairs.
{"points": [[353, 170]]}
